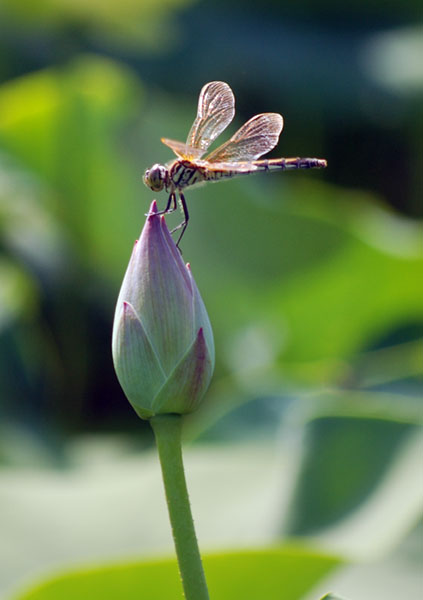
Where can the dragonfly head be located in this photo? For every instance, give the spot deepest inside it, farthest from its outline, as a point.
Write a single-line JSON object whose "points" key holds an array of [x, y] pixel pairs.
{"points": [[155, 177]]}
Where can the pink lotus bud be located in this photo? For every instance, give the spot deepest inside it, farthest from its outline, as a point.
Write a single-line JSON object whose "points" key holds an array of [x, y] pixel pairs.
{"points": [[163, 348]]}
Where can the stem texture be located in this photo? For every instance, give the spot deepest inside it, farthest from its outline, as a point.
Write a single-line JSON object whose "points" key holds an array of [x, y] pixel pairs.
{"points": [[167, 431]]}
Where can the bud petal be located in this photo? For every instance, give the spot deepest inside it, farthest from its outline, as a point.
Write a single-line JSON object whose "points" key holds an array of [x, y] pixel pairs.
{"points": [[188, 382], [138, 368], [201, 318]]}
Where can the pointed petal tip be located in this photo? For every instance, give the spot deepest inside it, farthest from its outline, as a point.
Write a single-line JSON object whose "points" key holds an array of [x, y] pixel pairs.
{"points": [[153, 209], [200, 342], [165, 231], [189, 380], [128, 310], [152, 223]]}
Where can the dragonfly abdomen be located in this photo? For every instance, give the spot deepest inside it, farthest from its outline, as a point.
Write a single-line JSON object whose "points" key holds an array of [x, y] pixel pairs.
{"points": [[289, 163], [213, 173]]}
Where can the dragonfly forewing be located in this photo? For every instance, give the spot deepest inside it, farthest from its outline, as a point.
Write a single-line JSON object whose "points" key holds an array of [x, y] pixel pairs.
{"points": [[216, 109]]}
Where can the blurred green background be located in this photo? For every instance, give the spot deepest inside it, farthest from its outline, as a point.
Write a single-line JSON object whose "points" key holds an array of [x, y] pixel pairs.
{"points": [[313, 281]]}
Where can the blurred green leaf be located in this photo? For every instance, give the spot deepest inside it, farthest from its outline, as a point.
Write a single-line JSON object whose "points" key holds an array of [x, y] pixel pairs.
{"points": [[67, 134], [354, 473], [277, 573], [18, 293], [129, 23], [356, 298], [332, 597], [29, 233]]}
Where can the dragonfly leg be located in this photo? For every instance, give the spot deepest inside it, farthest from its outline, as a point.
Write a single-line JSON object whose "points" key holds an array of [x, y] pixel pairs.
{"points": [[172, 198], [168, 209], [184, 223]]}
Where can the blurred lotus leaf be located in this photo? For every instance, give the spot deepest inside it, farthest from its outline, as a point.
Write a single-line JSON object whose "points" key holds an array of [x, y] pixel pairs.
{"points": [[147, 24], [280, 573]]}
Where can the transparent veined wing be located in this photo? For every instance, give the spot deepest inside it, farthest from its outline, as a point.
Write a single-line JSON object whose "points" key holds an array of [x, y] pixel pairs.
{"points": [[216, 109], [256, 137], [182, 150]]}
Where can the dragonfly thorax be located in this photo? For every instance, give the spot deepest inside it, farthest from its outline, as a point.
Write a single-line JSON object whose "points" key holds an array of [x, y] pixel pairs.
{"points": [[156, 177]]}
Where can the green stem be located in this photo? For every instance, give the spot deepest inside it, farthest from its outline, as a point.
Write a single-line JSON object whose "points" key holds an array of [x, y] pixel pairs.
{"points": [[167, 430]]}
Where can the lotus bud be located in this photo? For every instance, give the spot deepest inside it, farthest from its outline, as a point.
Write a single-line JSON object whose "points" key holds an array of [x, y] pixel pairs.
{"points": [[163, 348]]}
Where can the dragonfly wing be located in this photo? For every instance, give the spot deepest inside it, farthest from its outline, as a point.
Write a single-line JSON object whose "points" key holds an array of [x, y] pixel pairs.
{"points": [[216, 109], [181, 149], [256, 137]]}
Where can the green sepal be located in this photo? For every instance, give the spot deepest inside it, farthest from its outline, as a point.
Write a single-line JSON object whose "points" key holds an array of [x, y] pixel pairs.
{"points": [[138, 368]]}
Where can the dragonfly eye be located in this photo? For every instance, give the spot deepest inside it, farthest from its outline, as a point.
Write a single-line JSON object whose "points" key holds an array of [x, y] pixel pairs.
{"points": [[155, 177]]}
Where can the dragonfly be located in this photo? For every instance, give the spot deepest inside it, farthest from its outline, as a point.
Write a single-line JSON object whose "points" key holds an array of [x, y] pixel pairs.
{"points": [[240, 155]]}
